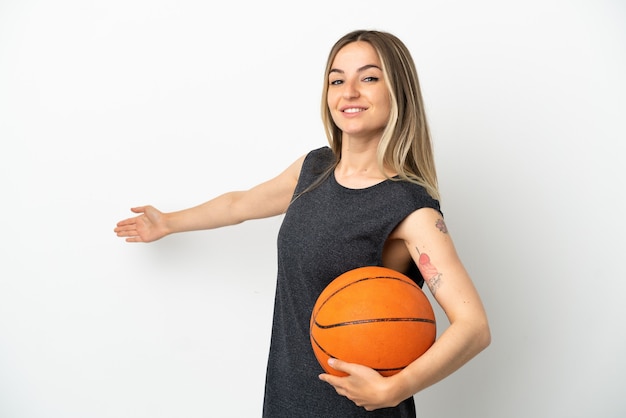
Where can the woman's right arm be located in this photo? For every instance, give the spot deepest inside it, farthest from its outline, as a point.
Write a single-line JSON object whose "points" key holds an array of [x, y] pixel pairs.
{"points": [[267, 199]]}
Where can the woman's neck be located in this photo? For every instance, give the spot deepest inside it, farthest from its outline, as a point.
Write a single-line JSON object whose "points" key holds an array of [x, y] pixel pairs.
{"points": [[358, 166]]}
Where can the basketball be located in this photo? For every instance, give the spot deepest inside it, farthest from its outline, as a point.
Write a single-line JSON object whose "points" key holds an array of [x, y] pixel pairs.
{"points": [[373, 316]]}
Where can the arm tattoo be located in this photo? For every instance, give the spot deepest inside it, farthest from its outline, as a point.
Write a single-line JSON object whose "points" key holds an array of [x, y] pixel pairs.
{"points": [[441, 225], [429, 272]]}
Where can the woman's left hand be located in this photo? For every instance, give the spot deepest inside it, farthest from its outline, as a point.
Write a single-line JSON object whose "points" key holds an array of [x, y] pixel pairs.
{"points": [[363, 386]]}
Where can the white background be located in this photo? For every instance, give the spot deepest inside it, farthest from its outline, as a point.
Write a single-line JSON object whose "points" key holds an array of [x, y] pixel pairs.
{"points": [[110, 104]]}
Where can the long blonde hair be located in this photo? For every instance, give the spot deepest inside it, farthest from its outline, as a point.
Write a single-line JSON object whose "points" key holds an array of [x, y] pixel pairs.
{"points": [[405, 146]]}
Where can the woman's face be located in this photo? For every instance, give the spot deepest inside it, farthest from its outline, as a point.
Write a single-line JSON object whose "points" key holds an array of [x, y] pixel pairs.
{"points": [[358, 97]]}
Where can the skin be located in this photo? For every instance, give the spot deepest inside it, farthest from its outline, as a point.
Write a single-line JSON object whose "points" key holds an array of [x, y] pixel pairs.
{"points": [[359, 103]]}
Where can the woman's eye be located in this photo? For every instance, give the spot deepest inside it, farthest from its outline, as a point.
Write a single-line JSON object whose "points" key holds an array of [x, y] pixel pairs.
{"points": [[370, 79], [335, 82]]}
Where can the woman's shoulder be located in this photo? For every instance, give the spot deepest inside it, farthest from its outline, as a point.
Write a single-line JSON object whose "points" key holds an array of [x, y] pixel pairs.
{"points": [[319, 159], [321, 153], [414, 193]]}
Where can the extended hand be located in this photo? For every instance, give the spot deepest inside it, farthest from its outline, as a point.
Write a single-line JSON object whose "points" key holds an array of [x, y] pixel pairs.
{"points": [[147, 227]]}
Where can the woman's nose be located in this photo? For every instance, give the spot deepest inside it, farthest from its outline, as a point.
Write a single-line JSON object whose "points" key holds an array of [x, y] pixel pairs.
{"points": [[350, 90]]}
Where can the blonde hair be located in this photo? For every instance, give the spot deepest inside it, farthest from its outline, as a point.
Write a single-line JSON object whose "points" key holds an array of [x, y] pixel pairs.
{"points": [[405, 146]]}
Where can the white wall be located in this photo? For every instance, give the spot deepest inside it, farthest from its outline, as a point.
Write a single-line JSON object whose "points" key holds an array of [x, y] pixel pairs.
{"points": [[110, 104]]}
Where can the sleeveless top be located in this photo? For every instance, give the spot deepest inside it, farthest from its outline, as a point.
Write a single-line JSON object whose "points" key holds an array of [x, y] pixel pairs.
{"points": [[327, 231]]}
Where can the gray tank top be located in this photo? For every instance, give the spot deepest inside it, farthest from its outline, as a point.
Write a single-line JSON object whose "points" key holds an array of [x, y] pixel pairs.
{"points": [[325, 232]]}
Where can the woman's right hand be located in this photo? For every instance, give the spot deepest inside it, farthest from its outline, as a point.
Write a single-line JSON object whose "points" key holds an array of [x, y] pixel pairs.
{"points": [[147, 227], [270, 198]]}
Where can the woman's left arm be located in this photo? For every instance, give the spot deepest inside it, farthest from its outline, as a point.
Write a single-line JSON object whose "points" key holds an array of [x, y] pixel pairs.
{"points": [[426, 236], [428, 240]]}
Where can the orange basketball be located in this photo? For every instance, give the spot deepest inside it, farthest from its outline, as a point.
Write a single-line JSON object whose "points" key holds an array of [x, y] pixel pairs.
{"points": [[372, 316]]}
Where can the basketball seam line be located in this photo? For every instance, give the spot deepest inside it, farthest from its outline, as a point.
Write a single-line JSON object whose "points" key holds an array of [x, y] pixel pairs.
{"points": [[378, 369], [368, 321], [411, 283]]}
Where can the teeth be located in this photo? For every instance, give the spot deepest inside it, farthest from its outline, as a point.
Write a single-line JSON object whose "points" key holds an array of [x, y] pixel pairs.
{"points": [[353, 110]]}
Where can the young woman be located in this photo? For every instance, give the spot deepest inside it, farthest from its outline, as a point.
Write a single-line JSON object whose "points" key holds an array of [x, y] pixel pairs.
{"points": [[371, 198]]}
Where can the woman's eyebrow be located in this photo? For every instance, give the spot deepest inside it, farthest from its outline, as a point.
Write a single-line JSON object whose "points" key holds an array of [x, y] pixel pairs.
{"points": [[363, 68]]}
